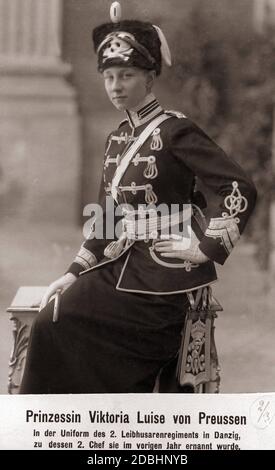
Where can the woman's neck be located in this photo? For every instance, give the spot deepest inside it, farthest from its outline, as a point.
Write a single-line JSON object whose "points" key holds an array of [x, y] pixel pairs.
{"points": [[144, 111]]}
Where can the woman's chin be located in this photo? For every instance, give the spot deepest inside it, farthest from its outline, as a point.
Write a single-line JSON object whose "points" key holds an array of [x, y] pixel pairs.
{"points": [[120, 103], [119, 106]]}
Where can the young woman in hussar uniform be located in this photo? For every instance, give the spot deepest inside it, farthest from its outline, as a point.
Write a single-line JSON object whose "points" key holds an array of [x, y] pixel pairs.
{"points": [[124, 300]]}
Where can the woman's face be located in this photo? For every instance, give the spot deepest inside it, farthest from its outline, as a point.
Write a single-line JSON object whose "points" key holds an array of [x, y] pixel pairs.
{"points": [[126, 87]]}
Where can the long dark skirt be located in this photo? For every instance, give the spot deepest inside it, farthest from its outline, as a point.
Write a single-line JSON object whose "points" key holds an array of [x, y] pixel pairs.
{"points": [[105, 341]]}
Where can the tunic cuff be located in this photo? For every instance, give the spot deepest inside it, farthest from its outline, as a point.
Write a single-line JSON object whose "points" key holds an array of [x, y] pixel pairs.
{"points": [[84, 259], [212, 250], [75, 269]]}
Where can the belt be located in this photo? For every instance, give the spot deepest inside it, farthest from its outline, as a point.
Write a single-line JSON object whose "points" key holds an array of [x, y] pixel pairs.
{"points": [[144, 224]]}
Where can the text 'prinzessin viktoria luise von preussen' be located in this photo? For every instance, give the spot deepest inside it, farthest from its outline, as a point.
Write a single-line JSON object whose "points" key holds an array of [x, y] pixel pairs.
{"points": [[105, 417]]}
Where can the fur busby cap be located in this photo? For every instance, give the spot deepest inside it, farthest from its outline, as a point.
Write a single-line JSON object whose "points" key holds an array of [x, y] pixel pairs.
{"points": [[130, 43]]}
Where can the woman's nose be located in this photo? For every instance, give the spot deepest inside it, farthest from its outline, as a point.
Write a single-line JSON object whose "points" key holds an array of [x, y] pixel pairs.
{"points": [[116, 85]]}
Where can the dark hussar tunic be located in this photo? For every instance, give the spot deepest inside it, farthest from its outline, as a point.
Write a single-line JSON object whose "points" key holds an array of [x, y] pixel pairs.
{"points": [[121, 320]]}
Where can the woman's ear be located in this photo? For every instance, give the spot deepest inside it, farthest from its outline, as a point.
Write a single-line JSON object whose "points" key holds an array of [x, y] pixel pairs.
{"points": [[150, 78]]}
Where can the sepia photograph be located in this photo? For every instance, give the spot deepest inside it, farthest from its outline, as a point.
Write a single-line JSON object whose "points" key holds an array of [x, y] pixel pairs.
{"points": [[137, 176]]}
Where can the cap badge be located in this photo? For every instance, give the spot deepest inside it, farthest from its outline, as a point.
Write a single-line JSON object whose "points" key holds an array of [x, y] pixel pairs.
{"points": [[117, 48]]}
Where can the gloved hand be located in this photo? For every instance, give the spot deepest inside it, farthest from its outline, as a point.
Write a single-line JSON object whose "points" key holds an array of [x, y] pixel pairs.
{"points": [[60, 284], [186, 248]]}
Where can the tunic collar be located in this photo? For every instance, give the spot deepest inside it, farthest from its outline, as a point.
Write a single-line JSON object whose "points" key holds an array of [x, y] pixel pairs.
{"points": [[147, 110]]}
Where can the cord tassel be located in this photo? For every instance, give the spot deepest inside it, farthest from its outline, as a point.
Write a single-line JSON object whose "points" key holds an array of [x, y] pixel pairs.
{"points": [[114, 248], [150, 196], [151, 170], [156, 143]]}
